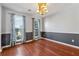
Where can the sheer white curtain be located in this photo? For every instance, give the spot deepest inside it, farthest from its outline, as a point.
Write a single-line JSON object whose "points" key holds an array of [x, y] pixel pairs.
{"points": [[17, 21]]}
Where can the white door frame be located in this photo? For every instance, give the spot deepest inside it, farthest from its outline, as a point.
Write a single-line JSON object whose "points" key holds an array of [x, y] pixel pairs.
{"points": [[38, 25]]}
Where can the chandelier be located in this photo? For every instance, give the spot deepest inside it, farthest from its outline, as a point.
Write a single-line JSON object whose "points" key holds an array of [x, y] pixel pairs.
{"points": [[42, 8]]}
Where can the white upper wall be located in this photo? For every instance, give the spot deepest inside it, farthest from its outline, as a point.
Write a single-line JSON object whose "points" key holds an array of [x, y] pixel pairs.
{"points": [[6, 20], [28, 23], [64, 21]]}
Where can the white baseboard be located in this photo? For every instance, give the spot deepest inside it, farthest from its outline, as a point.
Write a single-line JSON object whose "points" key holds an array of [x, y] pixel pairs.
{"points": [[18, 43], [29, 40], [6, 46], [62, 43]]}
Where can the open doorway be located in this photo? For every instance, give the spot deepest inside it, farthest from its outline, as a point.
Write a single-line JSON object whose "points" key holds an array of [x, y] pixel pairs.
{"points": [[36, 29]]}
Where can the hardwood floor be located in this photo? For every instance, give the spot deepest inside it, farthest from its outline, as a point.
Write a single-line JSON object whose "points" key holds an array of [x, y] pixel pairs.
{"points": [[40, 48]]}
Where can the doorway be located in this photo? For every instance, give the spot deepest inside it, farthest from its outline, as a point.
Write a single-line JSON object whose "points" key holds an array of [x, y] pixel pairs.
{"points": [[36, 29], [17, 30]]}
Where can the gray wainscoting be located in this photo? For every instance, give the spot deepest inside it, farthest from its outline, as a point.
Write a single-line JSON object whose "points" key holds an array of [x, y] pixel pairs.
{"points": [[68, 38], [29, 35], [5, 38]]}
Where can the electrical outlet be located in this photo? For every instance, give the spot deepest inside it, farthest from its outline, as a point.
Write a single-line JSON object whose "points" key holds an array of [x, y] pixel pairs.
{"points": [[72, 40]]}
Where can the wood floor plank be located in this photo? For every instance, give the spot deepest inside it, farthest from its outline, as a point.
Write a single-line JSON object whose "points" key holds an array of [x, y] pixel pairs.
{"points": [[40, 47]]}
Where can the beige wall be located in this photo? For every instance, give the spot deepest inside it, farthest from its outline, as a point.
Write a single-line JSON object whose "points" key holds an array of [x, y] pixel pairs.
{"points": [[64, 21], [0, 27]]}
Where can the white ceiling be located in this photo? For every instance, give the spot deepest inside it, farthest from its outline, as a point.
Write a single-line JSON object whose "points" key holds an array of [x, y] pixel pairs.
{"points": [[23, 7]]}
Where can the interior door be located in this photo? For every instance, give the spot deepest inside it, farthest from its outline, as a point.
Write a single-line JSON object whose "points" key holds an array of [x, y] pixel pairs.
{"points": [[36, 29]]}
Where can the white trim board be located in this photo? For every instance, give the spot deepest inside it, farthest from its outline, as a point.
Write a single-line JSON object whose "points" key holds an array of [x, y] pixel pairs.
{"points": [[6, 46], [28, 41], [65, 32], [62, 43]]}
